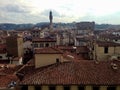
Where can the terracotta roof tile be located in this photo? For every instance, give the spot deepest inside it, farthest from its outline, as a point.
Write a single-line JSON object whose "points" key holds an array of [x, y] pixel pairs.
{"points": [[5, 61], [2, 46], [82, 49], [82, 72], [7, 75], [65, 47], [6, 80], [43, 40], [106, 43], [9, 69], [48, 50]]}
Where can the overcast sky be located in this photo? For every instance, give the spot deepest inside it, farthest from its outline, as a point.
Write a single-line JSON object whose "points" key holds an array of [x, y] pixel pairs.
{"points": [[34, 11]]}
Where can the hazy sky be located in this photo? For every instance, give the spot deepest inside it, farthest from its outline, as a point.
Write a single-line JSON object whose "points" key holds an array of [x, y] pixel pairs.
{"points": [[34, 11]]}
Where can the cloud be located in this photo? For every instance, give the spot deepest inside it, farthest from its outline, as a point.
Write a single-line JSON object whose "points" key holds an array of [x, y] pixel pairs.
{"points": [[34, 11], [13, 9]]}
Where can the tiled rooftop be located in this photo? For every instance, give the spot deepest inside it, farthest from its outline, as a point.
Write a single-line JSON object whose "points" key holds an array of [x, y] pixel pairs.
{"points": [[43, 40], [2, 51], [109, 36], [65, 47], [78, 72], [6, 80], [82, 49], [106, 43], [48, 50], [8, 69], [7, 74], [5, 61], [2, 46]]}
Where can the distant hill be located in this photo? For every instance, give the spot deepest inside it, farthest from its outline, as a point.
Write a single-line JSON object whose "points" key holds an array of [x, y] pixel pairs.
{"points": [[106, 26], [11, 26]]}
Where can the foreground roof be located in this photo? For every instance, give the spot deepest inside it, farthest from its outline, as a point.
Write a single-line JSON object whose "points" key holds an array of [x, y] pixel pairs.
{"points": [[7, 74], [79, 73]]}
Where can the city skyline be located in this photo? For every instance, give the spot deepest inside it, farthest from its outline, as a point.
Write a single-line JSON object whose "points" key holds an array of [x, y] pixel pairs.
{"points": [[29, 11]]}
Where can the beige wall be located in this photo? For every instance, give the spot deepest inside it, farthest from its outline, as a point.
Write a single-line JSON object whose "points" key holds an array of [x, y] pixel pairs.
{"points": [[88, 87], [100, 55], [45, 88], [46, 59], [72, 87], [117, 50], [20, 47], [118, 88]]}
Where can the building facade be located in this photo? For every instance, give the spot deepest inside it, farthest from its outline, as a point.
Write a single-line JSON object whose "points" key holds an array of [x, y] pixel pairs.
{"points": [[15, 46], [47, 56], [106, 51], [43, 42]]}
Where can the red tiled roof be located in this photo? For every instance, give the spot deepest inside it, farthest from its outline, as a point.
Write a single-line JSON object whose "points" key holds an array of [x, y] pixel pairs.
{"points": [[7, 75], [2, 46], [79, 72], [106, 43], [82, 49], [9, 69], [5, 61], [5, 80], [2, 52], [43, 40], [65, 47], [109, 36], [48, 50]]}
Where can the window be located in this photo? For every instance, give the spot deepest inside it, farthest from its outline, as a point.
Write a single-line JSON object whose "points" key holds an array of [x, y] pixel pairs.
{"points": [[46, 45], [66, 88], [105, 49], [57, 60], [33, 35], [52, 88], [41, 45], [93, 48], [37, 35], [111, 88], [95, 87], [37, 88], [0, 56], [35, 45], [80, 87]]}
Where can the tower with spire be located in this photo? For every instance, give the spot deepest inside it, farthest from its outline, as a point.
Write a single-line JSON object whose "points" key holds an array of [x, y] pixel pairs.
{"points": [[51, 18]]}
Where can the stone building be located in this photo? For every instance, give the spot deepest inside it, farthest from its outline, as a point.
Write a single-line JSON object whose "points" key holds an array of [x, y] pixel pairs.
{"points": [[103, 50], [15, 46], [47, 56], [85, 27], [43, 42]]}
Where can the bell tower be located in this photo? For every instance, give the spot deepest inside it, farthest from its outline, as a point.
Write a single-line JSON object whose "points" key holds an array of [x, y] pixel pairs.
{"points": [[51, 18]]}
